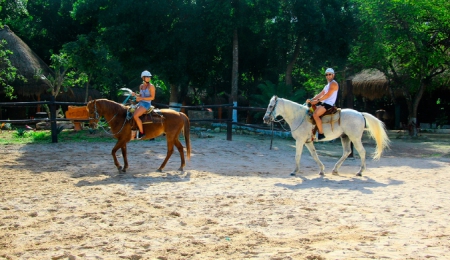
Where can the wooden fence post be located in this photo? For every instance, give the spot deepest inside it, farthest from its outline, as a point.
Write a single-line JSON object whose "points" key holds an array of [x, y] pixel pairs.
{"points": [[229, 123], [53, 120]]}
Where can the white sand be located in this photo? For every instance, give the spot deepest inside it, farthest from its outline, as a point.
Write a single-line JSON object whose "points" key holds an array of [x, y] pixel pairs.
{"points": [[235, 200]]}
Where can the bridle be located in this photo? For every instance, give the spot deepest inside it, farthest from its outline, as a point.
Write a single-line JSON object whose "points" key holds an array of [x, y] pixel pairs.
{"points": [[97, 118], [272, 118], [270, 115]]}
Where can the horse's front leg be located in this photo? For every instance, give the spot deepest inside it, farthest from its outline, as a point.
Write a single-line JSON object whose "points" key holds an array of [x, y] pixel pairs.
{"points": [[119, 145], [298, 156], [312, 151], [125, 158]]}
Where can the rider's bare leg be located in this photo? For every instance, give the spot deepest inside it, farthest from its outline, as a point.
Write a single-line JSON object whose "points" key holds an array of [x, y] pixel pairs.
{"points": [[320, 110], [140, 111]]}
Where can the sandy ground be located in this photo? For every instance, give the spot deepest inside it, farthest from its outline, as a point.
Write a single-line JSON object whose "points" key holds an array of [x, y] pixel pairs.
{"points": [[235, 200]]}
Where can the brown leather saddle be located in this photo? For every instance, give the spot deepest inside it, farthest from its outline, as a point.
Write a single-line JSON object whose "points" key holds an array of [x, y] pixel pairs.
{"points": [[330, 116], [152, 116]]}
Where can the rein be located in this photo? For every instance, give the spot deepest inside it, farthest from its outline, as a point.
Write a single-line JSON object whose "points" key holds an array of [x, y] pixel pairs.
{"points": [[97, 117]]}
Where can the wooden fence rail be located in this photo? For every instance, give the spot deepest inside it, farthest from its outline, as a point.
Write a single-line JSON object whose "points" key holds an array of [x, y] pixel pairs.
{"points": [[53, 119]]}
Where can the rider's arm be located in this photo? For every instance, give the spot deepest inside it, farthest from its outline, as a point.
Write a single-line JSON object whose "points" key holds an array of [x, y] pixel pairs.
{"points": [[316, 97]]}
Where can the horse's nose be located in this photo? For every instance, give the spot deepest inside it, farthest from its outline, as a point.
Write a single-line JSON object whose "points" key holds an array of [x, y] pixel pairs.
{"points": [[266, 119]]}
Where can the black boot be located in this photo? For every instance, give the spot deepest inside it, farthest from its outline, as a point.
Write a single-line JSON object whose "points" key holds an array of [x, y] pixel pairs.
{"points": [[320, 137]]}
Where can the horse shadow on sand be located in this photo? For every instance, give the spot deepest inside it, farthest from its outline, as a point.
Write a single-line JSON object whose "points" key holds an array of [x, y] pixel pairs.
{"points": [[140, 181], [361, 184]]}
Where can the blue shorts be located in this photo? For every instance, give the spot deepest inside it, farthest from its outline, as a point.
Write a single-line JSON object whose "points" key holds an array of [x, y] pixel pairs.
{"points": [[147, 105]]}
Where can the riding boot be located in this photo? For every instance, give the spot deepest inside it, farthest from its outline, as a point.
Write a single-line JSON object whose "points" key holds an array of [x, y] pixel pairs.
{"points": [[320, 137]]}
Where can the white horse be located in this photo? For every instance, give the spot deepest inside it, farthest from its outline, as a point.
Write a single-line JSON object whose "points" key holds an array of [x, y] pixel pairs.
{"points": [[349, 128]]}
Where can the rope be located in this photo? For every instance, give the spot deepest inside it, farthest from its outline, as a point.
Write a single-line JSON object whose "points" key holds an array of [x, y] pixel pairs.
{"points": [[271, 139], [97, 116], [124, 121]]}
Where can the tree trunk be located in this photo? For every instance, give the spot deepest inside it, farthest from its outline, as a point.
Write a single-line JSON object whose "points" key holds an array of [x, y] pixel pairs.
{"points": [[173, 93], [86, 96], [412, 107], [235, 73], [290, 66]]}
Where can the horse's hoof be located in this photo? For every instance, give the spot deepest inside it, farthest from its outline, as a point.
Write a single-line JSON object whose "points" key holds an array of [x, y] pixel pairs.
{"points": [[335, 173], [159, 170], [321, 173], [121, 170], [293, 174], [180, 169], [359, 174]]}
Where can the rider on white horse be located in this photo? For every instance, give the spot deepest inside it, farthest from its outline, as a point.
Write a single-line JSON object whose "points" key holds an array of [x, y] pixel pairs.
{"points": [[324, 100]]}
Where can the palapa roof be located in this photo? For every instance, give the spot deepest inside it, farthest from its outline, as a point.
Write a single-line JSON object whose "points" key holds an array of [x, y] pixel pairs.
{"points": [[369, 83], [27, 63]]}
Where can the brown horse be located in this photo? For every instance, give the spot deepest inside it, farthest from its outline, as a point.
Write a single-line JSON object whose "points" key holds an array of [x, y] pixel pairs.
{"points": [[115, 115]]}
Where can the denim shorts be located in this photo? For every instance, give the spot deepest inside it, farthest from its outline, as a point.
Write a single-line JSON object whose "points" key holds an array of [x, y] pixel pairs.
{"points": [[144, 104]]}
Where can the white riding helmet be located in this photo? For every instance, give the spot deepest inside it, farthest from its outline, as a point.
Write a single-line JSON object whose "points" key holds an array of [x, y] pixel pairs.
{"points": [[329, 70], [146, 73]]}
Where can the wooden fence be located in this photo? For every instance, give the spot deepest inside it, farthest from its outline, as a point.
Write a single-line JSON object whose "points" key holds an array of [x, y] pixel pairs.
{"points": [[53, 118]]}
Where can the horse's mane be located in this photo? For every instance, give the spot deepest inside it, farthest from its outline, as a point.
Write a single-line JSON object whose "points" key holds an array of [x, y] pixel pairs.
{"points": [[295, 105], [112, 106]]}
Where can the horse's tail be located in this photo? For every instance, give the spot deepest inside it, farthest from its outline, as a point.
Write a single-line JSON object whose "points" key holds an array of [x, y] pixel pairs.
{"points": [[377, 130], [186, 131]]}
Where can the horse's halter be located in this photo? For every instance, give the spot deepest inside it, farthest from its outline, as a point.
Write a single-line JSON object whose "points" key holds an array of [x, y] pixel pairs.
{"points": [[97, 118], [269, 116]]}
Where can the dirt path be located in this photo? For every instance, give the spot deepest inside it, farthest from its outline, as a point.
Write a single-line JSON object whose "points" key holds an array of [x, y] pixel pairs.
{"points": [[235, 200]]}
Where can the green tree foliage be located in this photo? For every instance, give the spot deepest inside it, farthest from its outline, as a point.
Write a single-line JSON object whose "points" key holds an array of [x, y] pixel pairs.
{"points": [[45, 25], [61, 78], [408, 41], [8, 73], [93, 65]]}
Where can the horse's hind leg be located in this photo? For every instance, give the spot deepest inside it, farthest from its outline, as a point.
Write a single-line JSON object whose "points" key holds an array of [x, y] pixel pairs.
{"points": [[362, 153], [169, 153], [180, 150], [346, 147]]}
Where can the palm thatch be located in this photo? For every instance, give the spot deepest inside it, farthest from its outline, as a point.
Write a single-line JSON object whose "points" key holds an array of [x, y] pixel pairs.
{"points": [[27, 64], [370, 83]]}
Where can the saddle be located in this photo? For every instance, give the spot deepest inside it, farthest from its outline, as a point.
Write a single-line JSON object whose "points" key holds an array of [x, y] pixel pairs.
{"points": [[152, 115], [330, 116]]}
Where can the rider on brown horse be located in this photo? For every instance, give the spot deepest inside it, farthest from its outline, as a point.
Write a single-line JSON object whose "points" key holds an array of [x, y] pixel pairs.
{"points": [[145, 97]]}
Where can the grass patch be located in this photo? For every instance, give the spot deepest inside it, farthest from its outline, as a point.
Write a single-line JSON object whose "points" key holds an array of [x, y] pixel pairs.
{"points": [[44, 136]]}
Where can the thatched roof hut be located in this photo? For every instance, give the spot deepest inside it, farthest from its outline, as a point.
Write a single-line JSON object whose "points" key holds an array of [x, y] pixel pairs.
{"points": [[370, 83], [27, 64]]}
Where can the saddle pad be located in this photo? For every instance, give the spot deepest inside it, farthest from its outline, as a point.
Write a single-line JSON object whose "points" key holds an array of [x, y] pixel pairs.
{"points": [[331, 117]]}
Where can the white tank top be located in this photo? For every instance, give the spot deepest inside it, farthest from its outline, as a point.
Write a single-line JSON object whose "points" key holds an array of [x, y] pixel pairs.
{"points": [[332, 99]]}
